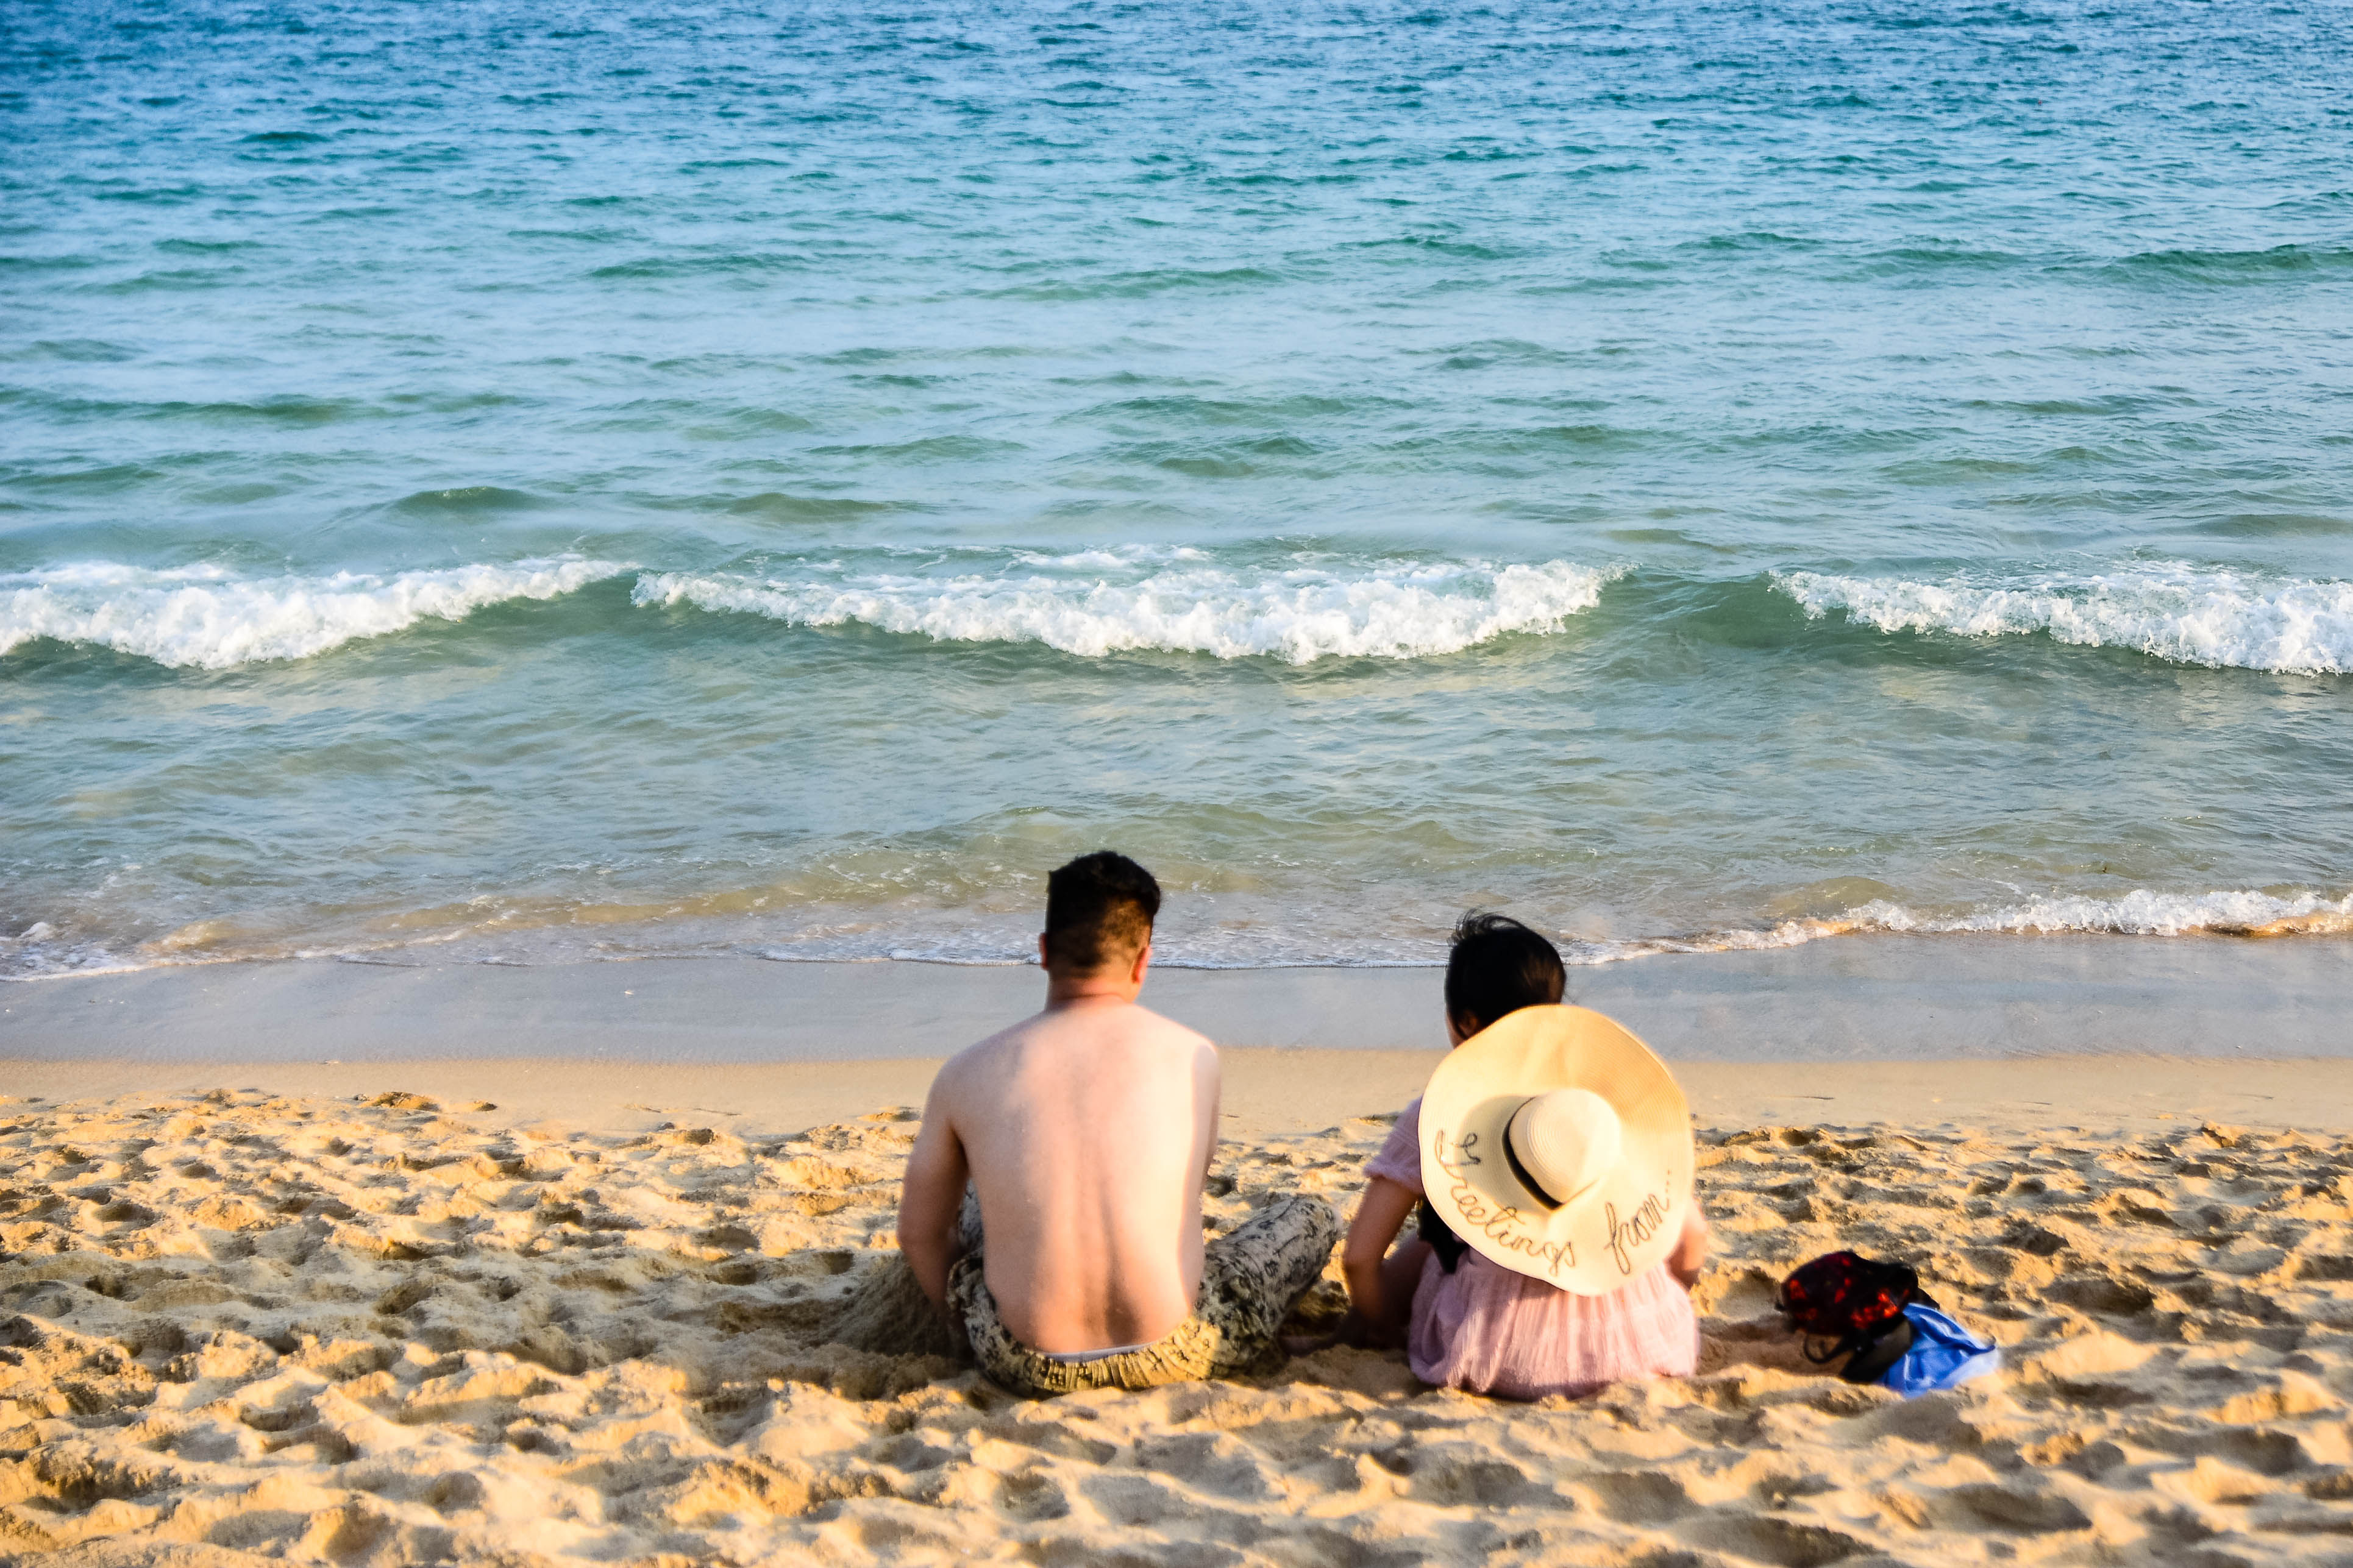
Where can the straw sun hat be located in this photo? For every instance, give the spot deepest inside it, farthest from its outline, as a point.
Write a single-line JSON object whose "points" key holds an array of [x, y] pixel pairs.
{"points": [[1556, 1145]]}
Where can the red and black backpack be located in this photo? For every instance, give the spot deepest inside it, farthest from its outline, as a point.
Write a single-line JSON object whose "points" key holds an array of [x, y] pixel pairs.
{"points": [[1856, 1303]]}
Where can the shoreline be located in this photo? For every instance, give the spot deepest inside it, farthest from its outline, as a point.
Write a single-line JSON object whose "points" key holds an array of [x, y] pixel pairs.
{"points": [[1268, 1092], [1884, 997]]}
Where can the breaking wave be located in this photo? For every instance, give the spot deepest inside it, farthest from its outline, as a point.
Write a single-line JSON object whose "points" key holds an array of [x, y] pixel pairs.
{"points": [[2182, 613], [1103, 602], [209, 618]]}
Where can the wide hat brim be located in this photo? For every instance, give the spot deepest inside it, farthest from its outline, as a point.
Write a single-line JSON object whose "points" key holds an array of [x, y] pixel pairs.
{"points": [[1622, 1226]]}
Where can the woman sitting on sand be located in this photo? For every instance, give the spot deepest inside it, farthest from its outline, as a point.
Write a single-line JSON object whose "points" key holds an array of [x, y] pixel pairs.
{"points": [[1551, 1160]]}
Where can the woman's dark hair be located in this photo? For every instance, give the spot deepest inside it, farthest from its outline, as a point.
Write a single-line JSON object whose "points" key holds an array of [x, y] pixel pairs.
{"points": [[1499, 966], [1098, 910]]}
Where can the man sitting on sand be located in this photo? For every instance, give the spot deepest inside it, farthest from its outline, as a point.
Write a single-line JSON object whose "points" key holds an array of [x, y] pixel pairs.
{"points": [[1086, 1133]]}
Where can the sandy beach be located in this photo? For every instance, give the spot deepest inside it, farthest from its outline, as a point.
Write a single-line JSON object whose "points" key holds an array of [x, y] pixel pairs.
{"points": [[531, 1311]]}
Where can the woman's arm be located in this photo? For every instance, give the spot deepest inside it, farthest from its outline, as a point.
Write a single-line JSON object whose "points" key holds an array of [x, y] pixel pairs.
{"points": [[1691, 1247], [1374, 1317]]}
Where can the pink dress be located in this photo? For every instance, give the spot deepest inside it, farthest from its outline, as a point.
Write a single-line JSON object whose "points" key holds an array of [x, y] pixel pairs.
{"points": [[1491, 1331]]}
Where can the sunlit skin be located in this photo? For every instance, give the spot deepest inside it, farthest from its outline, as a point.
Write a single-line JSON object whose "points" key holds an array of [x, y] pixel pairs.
{"points": [[1381, 1283], [1087, 1131]]}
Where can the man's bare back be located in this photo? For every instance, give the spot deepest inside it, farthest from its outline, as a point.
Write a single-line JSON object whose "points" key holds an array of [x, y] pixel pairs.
{"points": [[1087, 1131]]}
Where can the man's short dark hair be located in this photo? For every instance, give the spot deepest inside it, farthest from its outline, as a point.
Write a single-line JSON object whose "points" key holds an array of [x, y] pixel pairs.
{"points": [[1098, 910], [1499, 966]]}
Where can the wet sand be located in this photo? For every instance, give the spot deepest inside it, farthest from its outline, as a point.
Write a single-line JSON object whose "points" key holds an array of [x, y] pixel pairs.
{"points": [[1841, 998]]}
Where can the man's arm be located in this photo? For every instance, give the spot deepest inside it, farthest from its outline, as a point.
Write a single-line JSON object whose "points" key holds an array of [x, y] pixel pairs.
{"points": [[1206, 1070], [931, 1198]]}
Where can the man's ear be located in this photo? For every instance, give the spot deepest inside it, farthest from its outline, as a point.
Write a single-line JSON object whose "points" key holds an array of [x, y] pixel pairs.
{"points": [[1045, 955], [1142, 963]]}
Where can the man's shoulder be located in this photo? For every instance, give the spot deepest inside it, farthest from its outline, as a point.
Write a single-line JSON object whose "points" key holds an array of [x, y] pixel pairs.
{"points": [[1129, 1028], [1167, 1033], [980, 1055]]}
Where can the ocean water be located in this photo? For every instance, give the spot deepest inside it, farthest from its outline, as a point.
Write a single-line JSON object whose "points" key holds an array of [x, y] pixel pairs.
{"points": [[529, 483]]}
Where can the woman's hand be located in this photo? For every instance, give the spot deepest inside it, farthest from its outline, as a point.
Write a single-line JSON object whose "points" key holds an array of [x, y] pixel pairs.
{"points": [[1356, 1331], [1385, 1333]]}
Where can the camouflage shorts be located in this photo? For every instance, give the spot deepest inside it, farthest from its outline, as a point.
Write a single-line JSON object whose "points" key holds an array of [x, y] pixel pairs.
{"points": [[1251, 1278]]}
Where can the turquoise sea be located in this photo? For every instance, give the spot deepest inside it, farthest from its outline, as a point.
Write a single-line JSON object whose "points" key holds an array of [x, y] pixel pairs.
{"points": [[522, 483]]}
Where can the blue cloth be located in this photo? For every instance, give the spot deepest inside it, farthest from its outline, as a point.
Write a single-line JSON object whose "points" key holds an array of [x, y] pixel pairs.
{"points": [[1943, 1355]]}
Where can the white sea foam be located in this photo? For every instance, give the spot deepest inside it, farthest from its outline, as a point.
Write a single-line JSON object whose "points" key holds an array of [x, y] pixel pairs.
{"points": [[2186, 615], [1113, 559], [2141, 912], [1307, 609], [211, 618], [41, 950], [2232, 911]]}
